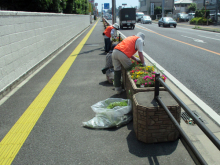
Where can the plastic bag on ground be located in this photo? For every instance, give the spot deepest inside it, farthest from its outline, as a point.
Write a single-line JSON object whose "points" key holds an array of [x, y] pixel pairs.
{"points": [[107, 118]]}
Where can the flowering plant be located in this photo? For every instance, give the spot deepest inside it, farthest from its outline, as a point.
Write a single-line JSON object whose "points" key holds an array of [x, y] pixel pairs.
{"points": [[143, 76], [117, 39]]}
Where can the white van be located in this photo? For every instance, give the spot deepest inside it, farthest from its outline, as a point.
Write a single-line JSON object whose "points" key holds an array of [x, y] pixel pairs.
{"points": [[139, 15], [191, 16]]}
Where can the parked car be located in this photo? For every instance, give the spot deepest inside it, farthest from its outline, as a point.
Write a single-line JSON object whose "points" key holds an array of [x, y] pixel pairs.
{"points": [[146, 19], [182, 17], [106, 15], [167, 21], [191, 16], [213, 17], [109, 17]]}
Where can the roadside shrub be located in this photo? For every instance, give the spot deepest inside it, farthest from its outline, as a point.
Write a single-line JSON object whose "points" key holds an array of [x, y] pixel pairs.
{"points": [[199, 13], [200, 20], [193, 20]]}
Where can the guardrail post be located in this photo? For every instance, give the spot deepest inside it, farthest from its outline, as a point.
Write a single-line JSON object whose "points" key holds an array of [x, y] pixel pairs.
{"points": [[157, 85]]}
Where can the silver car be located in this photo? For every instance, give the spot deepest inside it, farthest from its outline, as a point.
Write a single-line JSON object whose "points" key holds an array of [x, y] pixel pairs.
{"points": [[167, 21], [146, 19]]}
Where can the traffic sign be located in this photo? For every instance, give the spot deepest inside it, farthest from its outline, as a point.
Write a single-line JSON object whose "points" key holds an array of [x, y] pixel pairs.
{"points": [[106, 5]]}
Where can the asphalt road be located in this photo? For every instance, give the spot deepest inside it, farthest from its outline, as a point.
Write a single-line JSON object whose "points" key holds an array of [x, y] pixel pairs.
{"points": [[191, 56], [53, 134]]}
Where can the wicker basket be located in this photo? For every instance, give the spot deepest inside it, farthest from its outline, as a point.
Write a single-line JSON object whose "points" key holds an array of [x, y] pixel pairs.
{"points": [[150, 121]]}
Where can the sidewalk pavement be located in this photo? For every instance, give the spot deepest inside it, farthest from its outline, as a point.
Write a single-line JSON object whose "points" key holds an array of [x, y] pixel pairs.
{"points": [[58, 136]]}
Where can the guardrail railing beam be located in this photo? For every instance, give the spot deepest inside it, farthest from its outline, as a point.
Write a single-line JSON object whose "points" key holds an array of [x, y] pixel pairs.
{"points": [[201, 125]]}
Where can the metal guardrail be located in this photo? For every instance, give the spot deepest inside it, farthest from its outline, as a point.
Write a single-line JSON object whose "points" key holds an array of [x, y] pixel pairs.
{"points": [[205, 129]]}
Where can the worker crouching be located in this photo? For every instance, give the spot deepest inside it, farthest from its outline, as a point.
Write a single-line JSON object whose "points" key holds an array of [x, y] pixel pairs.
{"points": [[123, 52], [110, 31]]}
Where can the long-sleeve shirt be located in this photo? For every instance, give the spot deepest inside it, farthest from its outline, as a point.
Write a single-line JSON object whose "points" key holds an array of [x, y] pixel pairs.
{"points": [[113, 33]]}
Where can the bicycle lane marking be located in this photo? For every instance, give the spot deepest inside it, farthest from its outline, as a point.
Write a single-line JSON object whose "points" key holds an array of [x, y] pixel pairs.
{"points": [[14, 139], [140, 27]]}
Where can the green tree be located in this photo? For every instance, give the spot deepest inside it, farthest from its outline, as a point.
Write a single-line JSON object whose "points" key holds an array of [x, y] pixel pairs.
{"points": [[77, 7], [81, 6], [26, 5], [192, 7], [157, 10], [69, 7], [85, 5], [57, 6], [202, 12], [90, 8]]}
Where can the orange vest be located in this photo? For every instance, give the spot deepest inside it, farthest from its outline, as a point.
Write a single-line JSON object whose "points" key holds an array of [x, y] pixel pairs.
{"points": [[127, 46], [107, 31]]}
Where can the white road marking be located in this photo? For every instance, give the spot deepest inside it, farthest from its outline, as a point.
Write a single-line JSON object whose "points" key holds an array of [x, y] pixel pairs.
{"points": [[149, 30], [195, 39], [209, 38]]}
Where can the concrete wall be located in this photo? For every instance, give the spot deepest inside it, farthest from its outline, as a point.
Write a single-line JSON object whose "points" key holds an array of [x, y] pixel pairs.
{"points": [[27, 38]]}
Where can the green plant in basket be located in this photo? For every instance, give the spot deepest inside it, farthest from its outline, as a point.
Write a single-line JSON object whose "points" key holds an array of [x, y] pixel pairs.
{"points": [[143, 76]]}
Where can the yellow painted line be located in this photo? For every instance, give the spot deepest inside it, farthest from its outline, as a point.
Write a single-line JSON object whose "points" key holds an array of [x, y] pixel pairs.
{"points": [[13, 141], [179, 41]]}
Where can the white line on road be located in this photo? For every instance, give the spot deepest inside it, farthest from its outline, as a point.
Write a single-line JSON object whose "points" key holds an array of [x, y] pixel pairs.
{"points": [[209, 38], [195, 39], [149, 30]]}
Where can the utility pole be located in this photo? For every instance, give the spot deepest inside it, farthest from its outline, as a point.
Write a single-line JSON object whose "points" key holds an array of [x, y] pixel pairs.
{"points": [[102, 11], [113, 11], [163, 8], [216, 12]]}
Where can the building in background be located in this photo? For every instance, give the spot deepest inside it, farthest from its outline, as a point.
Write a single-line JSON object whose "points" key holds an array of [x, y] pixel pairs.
{"points": [[181, 6], [145, 6]]}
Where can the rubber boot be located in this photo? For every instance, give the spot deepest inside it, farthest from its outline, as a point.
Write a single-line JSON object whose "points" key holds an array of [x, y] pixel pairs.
{"points": [[117, 81]]}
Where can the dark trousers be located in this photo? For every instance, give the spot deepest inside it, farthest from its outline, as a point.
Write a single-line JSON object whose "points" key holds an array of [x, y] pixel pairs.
{"points": [[107, 44]]}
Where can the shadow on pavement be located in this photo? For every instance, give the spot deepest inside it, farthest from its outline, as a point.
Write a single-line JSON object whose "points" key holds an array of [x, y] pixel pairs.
{"points": [[103, 53], [151, 151], [122, 95], [106, 83], [90, 51]]}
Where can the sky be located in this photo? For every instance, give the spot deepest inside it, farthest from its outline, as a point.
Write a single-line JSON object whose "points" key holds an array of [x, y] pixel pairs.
{"points": [[131, 3]]}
